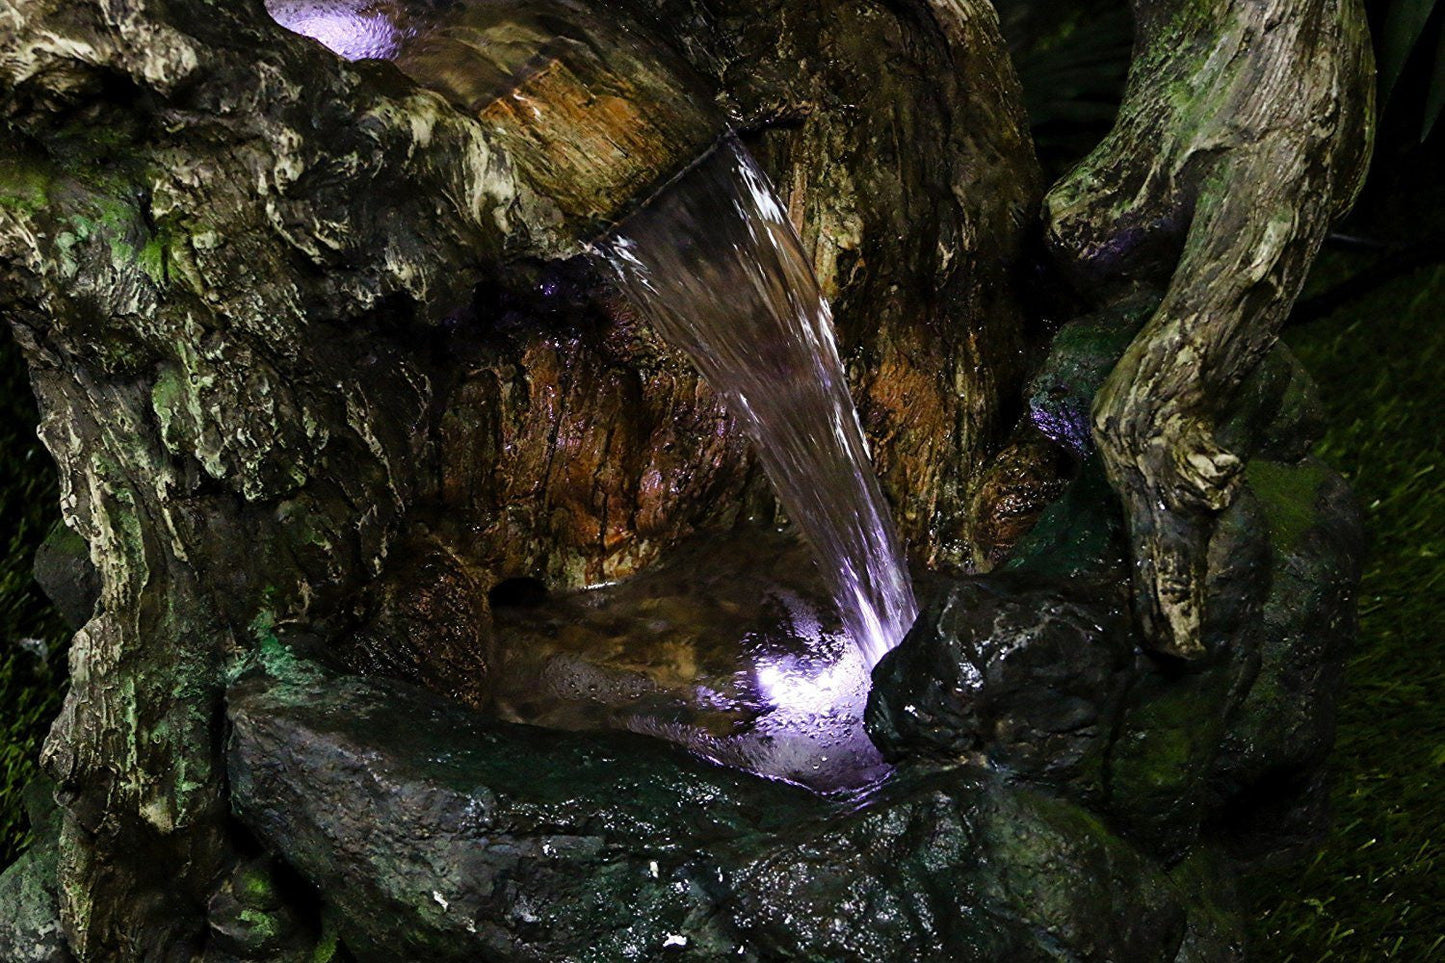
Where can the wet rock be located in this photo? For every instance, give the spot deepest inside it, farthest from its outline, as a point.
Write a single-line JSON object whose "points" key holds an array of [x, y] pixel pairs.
{"points": [[29, 908], [1276, 411], [464, 839], [1021, 482], [1229, 748], [1269, 771], [67, 576], [1215, 932], [1080, 535], [958, 864], [429, 624], [1278, 414], [1171, 729], [1027, 676], [1082, 354]]}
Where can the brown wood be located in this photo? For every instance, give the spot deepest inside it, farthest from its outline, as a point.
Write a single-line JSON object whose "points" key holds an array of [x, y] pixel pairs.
{"points": [[1245, 131]]}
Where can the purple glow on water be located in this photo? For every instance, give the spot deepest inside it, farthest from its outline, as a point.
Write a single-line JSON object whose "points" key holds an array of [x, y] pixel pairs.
{"points": [[797, 689], [813, 697], [789, 686], [354, 30], [718, 268]]}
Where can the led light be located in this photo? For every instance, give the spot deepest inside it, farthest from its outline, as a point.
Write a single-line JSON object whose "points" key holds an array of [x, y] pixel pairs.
{"points": [[347, 29]]}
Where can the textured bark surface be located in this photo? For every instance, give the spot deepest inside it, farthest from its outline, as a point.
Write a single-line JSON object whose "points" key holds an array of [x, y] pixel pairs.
{"points": [[315, 356], [291, 384], [1245, 131]]}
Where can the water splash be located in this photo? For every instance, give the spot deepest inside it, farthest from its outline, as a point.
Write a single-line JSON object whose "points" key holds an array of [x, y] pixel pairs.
{"points": [[732, 648], [716, 266]]}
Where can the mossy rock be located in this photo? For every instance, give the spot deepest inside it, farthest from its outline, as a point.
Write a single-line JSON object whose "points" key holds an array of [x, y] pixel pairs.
{"points": [[1082, 354], [30, 930], [609, 846]]}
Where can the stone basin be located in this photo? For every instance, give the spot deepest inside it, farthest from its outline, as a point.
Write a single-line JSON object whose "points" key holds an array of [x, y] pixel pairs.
{"points": [[437, 835], [732, 648], [1055, 791]]}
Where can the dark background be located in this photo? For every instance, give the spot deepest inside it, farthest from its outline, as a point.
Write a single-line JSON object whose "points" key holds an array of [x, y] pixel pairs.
{"points": [[1371, 327]]}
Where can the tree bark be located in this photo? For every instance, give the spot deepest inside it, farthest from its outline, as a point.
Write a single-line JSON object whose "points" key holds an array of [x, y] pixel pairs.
{"points": [[312, 360], [1245, 131]]}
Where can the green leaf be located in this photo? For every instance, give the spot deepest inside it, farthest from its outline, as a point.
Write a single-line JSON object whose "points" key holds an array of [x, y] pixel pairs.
{"points": [[1435, 99], [1404, 23]]}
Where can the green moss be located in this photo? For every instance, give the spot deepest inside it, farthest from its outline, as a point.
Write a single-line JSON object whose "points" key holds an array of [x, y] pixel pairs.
{"points": [[1080, 534], [1204, 882], [99, 196], [1165, 732], [23, 187], [255, 887], [154, 258], [329, 945], [262, 924], [1084, 352], [271, 654], [118, 223], [1062, 869], [1288, 494]]}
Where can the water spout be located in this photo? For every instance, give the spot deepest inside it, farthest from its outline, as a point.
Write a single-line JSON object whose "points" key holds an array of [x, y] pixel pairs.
{"points": [[716, 266]]}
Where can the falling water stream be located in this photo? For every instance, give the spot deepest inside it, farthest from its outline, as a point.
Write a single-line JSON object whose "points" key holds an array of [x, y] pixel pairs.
{"points": [[716, 266], [726, 649]]}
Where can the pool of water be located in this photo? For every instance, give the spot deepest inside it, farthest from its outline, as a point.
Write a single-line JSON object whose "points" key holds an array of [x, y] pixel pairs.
{"points": [[732, 649]]}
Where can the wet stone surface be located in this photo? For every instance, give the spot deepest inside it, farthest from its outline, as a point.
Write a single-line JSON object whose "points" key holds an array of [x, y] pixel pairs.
{"points": [[1021, 674], [463, 839]]}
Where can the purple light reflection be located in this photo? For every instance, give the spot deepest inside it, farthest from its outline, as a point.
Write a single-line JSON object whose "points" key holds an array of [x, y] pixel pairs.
{"points": [[354, 30], [804, 692], [812, 728], [813, 732]]}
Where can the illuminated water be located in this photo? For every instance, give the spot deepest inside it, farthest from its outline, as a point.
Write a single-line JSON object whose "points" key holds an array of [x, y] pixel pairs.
{"points": [[354, 29], [732, 648], [716, 266], [740, 650]]}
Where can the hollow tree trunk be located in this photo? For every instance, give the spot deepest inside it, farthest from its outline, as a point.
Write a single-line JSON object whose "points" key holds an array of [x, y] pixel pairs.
{"points": [[314, 356], [311, 357]]}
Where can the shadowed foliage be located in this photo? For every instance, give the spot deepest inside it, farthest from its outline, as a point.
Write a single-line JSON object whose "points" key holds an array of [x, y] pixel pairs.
{"points": [[32, 636]]}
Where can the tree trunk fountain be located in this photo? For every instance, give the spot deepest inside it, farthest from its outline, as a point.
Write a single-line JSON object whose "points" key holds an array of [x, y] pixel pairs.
{"points": [[375, 466]]}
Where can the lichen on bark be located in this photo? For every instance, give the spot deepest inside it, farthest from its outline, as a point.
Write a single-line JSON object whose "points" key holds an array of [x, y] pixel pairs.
{"points": [[1244, 133], [315, 357], [283, 317]]}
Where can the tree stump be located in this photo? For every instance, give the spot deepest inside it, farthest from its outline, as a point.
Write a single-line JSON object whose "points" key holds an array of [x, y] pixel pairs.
{"points": [[317, 362]]}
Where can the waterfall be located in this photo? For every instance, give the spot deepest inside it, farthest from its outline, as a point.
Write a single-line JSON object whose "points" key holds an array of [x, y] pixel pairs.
{"points": [[715, 265]]}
